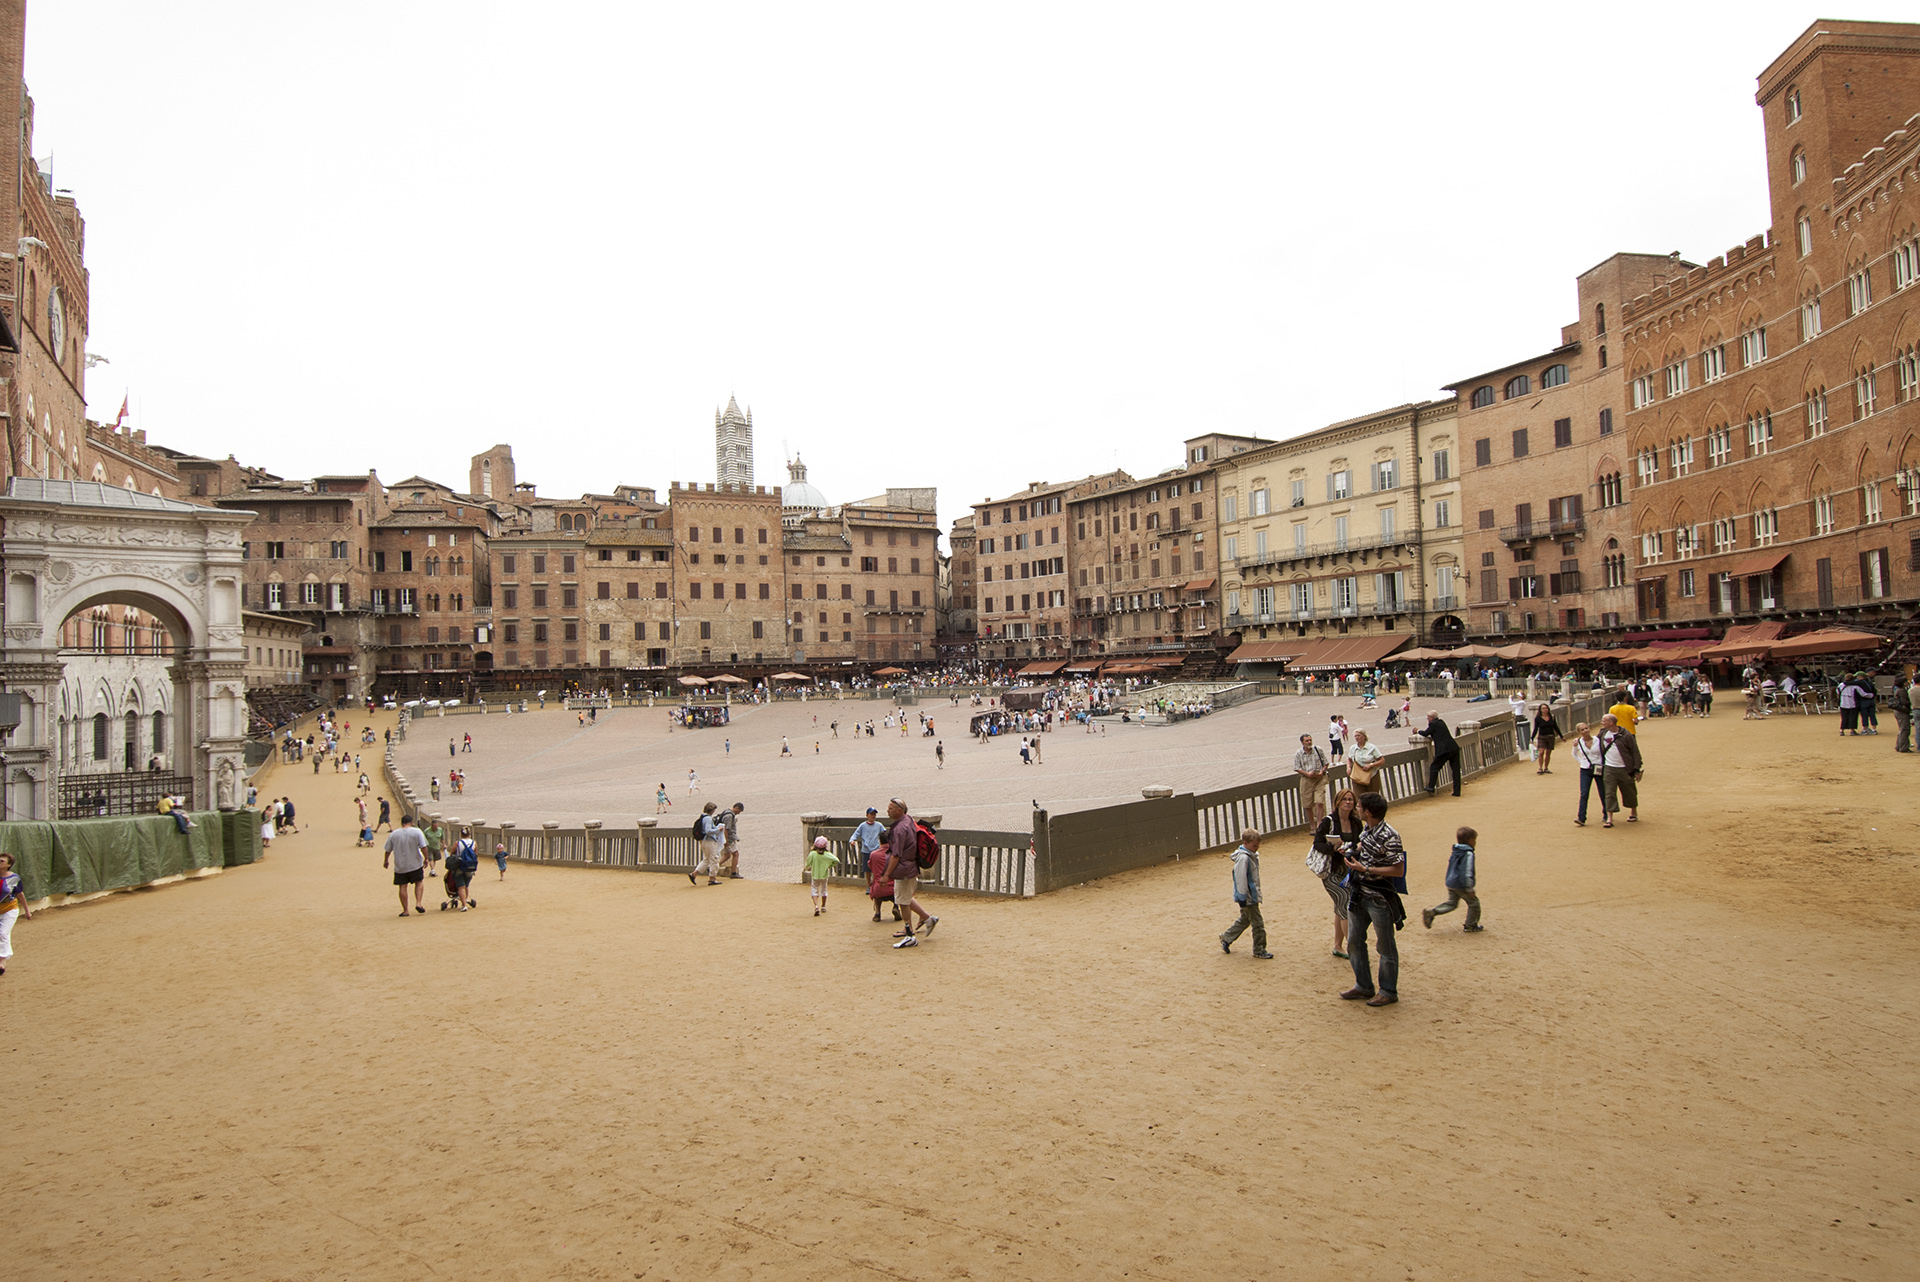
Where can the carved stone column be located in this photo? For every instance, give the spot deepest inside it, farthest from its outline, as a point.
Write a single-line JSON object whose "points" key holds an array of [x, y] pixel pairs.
{"points": [[209, 723]]}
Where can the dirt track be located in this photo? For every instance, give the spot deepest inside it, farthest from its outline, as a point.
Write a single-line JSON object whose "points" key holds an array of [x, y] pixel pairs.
{"points": [[1681, 1049]]}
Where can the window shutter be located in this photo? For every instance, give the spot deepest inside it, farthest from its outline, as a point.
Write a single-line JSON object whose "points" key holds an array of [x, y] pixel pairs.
{"points": [[1866, 573], [1523, 514], [1513, 588], [1329, 485], [1400, 585]]}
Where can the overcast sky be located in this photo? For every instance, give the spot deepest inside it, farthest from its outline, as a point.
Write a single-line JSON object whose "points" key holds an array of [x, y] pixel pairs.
{"points": [[968, 246]]}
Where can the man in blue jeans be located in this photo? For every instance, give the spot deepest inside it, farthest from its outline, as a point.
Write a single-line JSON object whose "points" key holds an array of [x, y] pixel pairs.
{"points": [[1376, 878], [1587, 755]]}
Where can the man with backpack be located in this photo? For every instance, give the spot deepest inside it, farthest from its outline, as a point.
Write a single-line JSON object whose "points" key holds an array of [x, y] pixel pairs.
{"points": [[903, 869], [707, 832]]}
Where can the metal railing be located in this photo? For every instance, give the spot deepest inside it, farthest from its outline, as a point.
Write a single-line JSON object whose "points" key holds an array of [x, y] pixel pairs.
{"points": [[131, 792], [1550, 529], [1277, 556]]}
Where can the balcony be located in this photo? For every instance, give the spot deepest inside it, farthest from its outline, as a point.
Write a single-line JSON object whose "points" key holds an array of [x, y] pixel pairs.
{"points": [[1279, 616], [1564, 527], [1388, 609], [1446, 604], [1312, 550]]}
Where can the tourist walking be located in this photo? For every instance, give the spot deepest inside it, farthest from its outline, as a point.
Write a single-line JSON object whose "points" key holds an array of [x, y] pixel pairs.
{"points": [[1246, 893], [903, 870], [1587, 756], [405, 854], [870, 845], [1460, 883], [817, 866], [1620, 768], [706, 835], [661, 801], [1377, 867], [386, 816], [13, 906], [1546, 733], [1336, 832], [1310, 764], [462, 863], [1446, 752], [1902, 704], [730, 839], [693, 782], [500, 855], [1336, 744]]}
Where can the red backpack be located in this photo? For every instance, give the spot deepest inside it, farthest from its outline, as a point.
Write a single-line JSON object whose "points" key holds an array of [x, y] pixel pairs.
{"points": [[928, 845]]}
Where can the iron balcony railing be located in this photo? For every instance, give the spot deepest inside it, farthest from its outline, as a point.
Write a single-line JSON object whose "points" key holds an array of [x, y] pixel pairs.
{"points": [[1275, 556], [1559, 527]]}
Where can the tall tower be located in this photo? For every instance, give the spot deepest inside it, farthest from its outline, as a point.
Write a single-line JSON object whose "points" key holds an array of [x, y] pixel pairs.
{"points": [[733, 445]]}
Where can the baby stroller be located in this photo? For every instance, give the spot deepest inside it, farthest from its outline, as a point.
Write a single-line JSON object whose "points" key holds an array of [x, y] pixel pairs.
{"points": [[1393, 718], [455, 877]]}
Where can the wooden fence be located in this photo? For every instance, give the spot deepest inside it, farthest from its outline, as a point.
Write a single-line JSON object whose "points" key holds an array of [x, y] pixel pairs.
{"points": [[972, 861]]}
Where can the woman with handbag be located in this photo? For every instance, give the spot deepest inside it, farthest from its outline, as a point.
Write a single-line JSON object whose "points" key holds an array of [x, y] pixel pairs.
{"points": [[1341, 827], [1546, 733], [1363, 763]]}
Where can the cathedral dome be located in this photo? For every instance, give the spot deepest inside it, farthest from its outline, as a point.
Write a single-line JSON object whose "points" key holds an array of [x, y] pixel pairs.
{"points": [[800, 494]]}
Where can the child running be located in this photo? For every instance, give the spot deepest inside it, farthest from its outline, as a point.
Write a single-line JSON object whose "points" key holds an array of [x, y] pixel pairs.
{"points": [[1460, 882], [819, 865]]}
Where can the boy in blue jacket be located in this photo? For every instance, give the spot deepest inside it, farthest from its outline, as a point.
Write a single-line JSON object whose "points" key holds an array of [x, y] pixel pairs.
{"points": [[1246, 893], [1459, 883]]}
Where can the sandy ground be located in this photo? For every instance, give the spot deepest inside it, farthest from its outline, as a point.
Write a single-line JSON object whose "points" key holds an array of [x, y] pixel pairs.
{"points": [[1681, 1049], [545, 766]]}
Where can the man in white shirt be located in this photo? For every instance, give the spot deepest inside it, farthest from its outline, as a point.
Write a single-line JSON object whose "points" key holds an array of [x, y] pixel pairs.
{"points": [[405, 853]]}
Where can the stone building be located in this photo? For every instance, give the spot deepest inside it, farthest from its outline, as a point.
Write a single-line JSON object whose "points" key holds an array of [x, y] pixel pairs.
{"points": [[963, 619], [1540, 463], [1330, 534], [433, 590], [1143, 562], [1773, 415]]}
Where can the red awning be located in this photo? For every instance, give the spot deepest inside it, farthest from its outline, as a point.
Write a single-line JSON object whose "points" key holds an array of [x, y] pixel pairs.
{"points": [[1270, 651], [1043, 669], [1199, 585], [1759, 563]]}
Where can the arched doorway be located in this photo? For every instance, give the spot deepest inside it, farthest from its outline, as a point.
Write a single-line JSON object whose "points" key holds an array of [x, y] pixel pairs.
{"points": [[69, 546]]}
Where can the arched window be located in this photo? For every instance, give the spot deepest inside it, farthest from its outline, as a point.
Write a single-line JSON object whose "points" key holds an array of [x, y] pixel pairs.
{"points": [[99, 736], [1482, 397], [1554, 376], [1599, 318], [1518, 385], [159, 732], [1799, 166]]}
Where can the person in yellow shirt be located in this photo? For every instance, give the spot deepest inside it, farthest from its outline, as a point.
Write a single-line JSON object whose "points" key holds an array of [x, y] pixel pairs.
{"points": [[1626, 714]]}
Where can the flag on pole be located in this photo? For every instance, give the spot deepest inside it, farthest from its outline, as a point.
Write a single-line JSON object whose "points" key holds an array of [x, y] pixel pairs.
{"points": [[119, 422]]}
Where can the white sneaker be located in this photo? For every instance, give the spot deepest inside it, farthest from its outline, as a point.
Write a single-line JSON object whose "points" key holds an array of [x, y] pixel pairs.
{"points": [[908, 942]]}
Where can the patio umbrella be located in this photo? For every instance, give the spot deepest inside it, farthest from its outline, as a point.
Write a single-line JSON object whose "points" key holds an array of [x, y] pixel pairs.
{"points": [[791, 676], [727, 678], [1826, 641], [1520, 650], [693, 681], [890, 672]]}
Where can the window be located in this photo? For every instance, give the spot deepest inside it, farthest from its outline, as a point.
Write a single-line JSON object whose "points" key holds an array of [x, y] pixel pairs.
{"points": [[1810, 319], [1386, 522], [1613, 568], [1653, 546], [1346, 594], [1676, 377], [1442, 464], [1612, 490], [1816, 412], [1482, 397], [1518, 385], [1859, 292], [1606, 422], [1870, 503], [1713, 363], [1680, 456], [1766, 527], [1233, 547], [1642, 391], [1483, 452], [1646, 466], [1798, 166], [1487, 520], [1874, 576], [1229, 510], [1823, 514], [1562, 433], [1793, 104], [1260, 503], [1725, 534], [1686, 541], [1863, 394], [1906, 262], [1760, 433], [1442, 513], [1340, 485], [1753, 347], [1553, 376], [1720, 446], [1803, 231], [1686, 583], [1299, 497]]}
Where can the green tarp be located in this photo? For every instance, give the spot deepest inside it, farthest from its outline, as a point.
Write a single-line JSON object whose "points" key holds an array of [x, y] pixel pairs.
{"points": [[85, 856]]}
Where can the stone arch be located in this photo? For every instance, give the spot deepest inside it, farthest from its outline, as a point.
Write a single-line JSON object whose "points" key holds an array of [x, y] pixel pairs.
{"points": [[69, 546]]}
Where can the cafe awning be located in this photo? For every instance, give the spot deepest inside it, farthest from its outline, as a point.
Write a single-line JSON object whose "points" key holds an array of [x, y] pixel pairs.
{"points": [[1826, 641], [1199, 585], [1044, 668], [1270, 651], [1334, 653], [1745, 640], [1759, 563]]}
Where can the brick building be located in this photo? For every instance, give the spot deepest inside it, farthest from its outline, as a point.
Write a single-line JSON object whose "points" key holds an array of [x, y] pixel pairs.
{"points": [[1144, 570], [1773, 416], [1337, 532], [432, 590], [1022, 544], [729, 584], [963, 619], [1541, 465]]}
